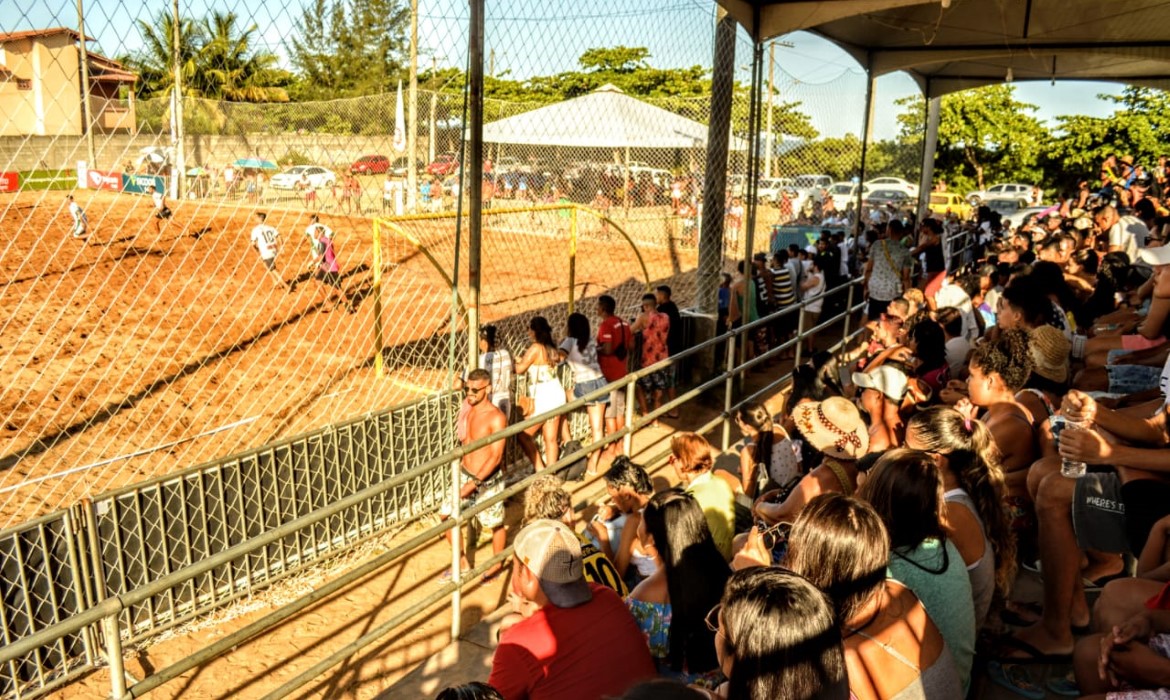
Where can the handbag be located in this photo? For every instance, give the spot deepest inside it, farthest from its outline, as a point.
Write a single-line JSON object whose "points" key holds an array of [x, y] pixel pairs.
{"points": [[527, 405]]}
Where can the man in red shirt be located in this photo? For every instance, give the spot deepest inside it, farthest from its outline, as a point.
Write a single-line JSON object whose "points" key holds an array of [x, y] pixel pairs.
{"points": [[580, 642], [614, 341]]}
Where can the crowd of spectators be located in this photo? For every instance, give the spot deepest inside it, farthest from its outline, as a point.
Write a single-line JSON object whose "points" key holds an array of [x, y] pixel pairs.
{"points": [[1005, 415]]}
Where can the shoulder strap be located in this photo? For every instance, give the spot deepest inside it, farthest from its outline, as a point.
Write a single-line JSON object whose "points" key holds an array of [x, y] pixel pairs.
{"points": [[842, 477]]}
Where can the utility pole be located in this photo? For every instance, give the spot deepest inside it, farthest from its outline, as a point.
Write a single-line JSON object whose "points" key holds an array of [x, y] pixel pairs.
{"points": [[87, 107], [178, 168], [768, 129], [434, 102], [473, 176], [412, 115]]}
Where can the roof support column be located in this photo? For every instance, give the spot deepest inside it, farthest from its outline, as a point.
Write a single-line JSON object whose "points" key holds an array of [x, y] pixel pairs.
{"points": [[751, 186], [866, 137], [715, 185], [929, 146]]}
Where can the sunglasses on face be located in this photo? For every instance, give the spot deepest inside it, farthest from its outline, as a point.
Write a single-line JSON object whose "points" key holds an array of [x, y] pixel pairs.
{"points": [[469, 390]]}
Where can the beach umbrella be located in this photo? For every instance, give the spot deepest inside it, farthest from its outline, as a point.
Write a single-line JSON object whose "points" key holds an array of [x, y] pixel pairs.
{"points": [[196, 172], [255, 163]]}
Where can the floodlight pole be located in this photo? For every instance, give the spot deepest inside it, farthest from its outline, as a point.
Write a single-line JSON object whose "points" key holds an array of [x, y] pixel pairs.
{"points": [[412, 115], [715, 184], [473, 178], [87, 107], [929, 146], [768, 145]]}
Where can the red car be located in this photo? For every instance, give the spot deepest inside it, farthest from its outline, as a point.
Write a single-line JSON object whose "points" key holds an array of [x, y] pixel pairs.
{"points": [[370, 165], [445, 164]]}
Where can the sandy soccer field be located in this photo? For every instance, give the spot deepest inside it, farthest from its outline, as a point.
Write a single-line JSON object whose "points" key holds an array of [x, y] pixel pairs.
{"points": [[133, 338]]}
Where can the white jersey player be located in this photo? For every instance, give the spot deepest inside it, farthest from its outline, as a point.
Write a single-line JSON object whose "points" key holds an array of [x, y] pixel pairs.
{"points": [[266, 240]]}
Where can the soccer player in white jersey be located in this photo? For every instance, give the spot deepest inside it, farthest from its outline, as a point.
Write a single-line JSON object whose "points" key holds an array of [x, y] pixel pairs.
{"points": [[79, 219], [266, 240], [161, 211]]}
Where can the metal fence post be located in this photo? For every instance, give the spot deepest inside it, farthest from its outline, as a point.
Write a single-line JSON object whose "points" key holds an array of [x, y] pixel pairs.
{"points": [[114, 654], [456, 552], [800, 334], [572, 256], [376, 289], [727, 389], [848, 311], [631, 397]]}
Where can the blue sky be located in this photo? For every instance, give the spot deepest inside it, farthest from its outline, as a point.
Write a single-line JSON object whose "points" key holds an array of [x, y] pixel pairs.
{"points": [[534, 37]]}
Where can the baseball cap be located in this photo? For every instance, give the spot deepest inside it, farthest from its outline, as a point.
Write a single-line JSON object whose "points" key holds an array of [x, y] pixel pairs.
{"points": [[1155, 256], [890, 381], [551, 551]]}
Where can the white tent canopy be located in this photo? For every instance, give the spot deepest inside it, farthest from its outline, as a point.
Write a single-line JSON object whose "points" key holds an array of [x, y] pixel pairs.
{"points": [[604, 118]]}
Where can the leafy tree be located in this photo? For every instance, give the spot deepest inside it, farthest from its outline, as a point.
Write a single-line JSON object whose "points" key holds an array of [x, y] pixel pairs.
{"points": [[985, 135], [346, 49], [1137, 127], [155, 62]]}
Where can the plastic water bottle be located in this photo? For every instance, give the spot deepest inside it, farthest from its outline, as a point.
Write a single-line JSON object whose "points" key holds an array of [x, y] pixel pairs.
{"points": [[1073, 469]]}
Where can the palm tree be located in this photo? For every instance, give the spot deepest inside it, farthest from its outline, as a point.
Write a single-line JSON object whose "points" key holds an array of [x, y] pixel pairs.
{"points": [[155, 64], [231, 70]]}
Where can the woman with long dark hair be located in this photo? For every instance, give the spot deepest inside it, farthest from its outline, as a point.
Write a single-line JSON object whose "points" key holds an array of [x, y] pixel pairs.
{"points": [[545, 393], [671, 604], [976, 522], [930, 349], [906, 491], [579, 350], [771, 456], [892, 647], [778, 639]]}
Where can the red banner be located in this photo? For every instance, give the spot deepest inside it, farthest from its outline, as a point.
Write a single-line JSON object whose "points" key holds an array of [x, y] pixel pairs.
{"points": [[9, 182], [103, 180]]}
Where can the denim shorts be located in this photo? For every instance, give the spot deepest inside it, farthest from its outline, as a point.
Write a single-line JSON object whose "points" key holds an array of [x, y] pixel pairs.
{"points": [[582, 388], [1131, 379]]}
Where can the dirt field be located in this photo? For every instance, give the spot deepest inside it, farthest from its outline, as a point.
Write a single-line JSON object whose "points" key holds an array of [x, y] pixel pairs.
{"points": [[135, 338]]}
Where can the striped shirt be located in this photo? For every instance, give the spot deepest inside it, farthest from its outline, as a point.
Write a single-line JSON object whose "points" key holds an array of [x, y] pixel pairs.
{"points": [[783, 287]]}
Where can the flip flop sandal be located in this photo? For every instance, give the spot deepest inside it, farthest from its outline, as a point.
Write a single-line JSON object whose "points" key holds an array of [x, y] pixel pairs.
{"points": [[1014, 678], [1065, 686], [1032, 654]]}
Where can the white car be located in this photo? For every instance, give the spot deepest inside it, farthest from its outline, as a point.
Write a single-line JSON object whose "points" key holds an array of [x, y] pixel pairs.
{"points": [[812, 184], [319, 176], [770, 188], [893, 183], [1010, 190], [845, 193]]}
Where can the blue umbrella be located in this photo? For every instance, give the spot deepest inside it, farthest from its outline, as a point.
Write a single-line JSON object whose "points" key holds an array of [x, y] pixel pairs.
{"points": [[256, 163]]}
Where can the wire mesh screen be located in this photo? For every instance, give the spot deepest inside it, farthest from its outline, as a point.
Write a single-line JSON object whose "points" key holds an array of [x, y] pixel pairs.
{"points": [[180, 307]]}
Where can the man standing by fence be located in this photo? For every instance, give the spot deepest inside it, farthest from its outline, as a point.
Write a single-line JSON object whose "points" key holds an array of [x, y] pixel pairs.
{"points": [[479, 418], [614, 341]]}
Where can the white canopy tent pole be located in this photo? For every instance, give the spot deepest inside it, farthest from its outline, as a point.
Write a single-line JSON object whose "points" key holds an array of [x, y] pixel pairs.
{"points": [[929, 146]]}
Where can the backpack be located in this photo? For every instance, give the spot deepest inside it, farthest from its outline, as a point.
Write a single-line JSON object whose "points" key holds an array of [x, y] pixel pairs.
{"points": [[622, 351], [574, 471]]}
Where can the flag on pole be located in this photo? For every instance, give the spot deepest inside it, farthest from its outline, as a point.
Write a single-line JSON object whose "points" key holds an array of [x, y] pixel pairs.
{"points": [[399, 119]]}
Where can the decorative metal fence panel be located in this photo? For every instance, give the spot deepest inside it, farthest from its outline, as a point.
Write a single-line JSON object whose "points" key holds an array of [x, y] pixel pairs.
{"points": [[41, 583]]}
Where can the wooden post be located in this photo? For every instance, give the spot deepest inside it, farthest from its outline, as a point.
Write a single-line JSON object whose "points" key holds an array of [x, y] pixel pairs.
{"points": [[572, 256], [379, 370]]}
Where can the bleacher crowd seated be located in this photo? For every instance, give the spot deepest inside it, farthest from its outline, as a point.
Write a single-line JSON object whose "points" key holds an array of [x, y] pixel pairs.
{"points": [[1004, 419]]}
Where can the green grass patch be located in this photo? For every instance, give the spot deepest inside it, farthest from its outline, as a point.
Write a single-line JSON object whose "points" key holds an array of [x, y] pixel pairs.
{"points": [[48, 180]]}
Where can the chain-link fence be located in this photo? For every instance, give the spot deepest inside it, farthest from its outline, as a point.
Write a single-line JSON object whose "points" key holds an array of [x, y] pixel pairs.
{"points": [[144, 334]]}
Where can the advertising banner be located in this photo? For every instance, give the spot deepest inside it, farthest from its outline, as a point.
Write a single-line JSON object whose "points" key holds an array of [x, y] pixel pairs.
{"points": [[9, 182], [103, 180], [137, 184]]}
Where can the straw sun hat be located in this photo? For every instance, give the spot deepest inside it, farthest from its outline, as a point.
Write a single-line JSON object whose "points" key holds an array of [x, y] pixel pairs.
{"points": [[834, 427], [1050, 352]]}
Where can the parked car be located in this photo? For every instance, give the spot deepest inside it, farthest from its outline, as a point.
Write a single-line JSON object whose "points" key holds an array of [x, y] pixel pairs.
{"points": [[770, 188], [893, 183], [1007, 207], [400, 165], [370, 165], [845, 193], [445, 164], [1010, 190], [812, 184], [881, 198], [319, 176], [943, 203]]}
